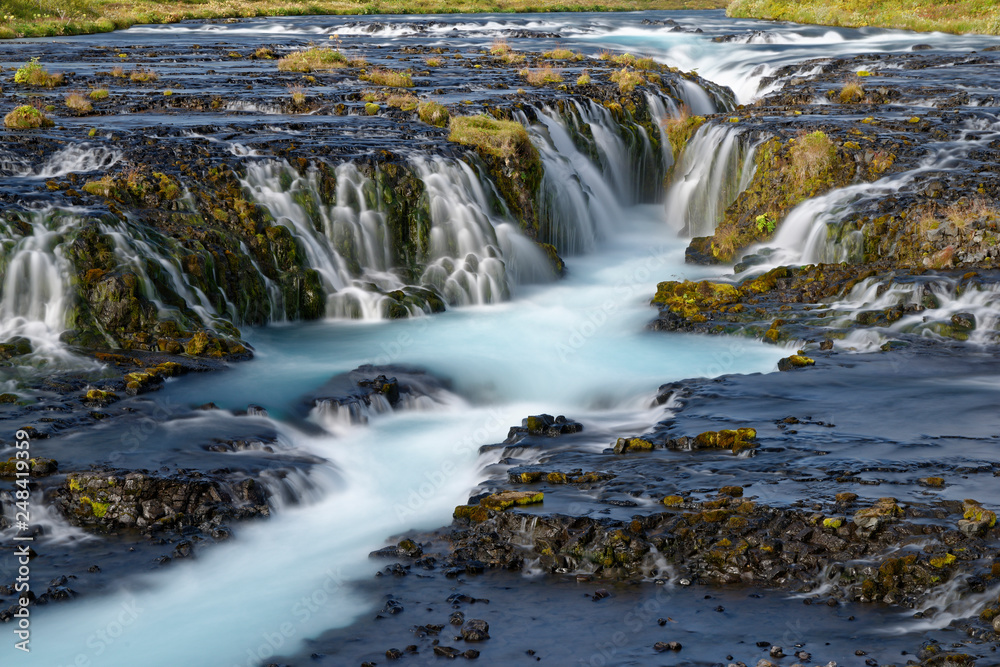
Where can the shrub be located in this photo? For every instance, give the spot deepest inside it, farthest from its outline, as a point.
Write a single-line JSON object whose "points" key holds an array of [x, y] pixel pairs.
{"points": [[852, 92], [313, 59], [405, 102], [26, 117], [433, 113], [264, 53], [143, 75], [812, 156], [33, 74], [680, 129], [500, 138], [541, 76], [385, 77], [562, 54], [499, 47], [627, 79], [118, 72], [78, 103]]}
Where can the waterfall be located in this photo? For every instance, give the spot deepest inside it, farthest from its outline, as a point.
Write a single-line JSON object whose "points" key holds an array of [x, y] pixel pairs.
{"points": [[145, 254], [475, 257], [34, 301], [813, 231], [346, 243], [577, 206], [716, 165]]}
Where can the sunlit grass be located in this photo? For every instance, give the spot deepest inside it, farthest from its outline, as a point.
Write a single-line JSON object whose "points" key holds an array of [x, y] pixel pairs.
{"points": [[955, 16]]}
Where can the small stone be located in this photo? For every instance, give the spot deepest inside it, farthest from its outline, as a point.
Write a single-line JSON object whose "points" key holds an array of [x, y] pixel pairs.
{"points": [[660, 647], [457, 618], [471, 654], [476, 630], [996, 624], [447, 652], [776, 652], [394, 654]]}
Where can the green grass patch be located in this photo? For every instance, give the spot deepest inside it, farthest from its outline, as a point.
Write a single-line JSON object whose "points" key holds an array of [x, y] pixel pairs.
{"points": [[954, 16], [499, 138], [627, 79], [386, 77], [540, 76], [26, 117], [33, 73], [433, 113], [314, 59], [98, 94]]}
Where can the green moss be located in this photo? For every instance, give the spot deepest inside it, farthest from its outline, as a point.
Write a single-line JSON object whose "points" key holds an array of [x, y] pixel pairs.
{"points": [[833, 523], [433, 113], [26, 117], [944, 561]]}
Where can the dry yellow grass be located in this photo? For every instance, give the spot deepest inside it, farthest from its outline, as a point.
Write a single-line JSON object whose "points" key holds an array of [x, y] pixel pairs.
{"points": [[386, 77], [627, 79], [852, 92], [78, 102], [310, 60], [541, 75], [500, 138]]}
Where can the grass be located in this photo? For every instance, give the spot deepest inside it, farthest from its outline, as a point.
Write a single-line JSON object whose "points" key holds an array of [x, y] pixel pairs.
{"points": [[954, 16], [499, 138], [541, 75], [627, 79], [310, 60], [562, 54], [50, 18], [98, 94], [583, 80], [405, 102], [681, 128], [812, 155], [387, 77], [78, 102], [143, 75], [298, 94], [852, 93], [33, 74], [433, 113], [433, 62], [26, 117], [501, 49]]}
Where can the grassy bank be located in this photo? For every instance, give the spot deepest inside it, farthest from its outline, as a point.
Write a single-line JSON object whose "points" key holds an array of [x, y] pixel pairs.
{"points": [[43, 18], [955, 16]]}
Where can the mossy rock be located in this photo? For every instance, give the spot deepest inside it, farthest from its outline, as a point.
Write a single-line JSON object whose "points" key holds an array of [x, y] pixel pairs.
{"points": [[508, 499], [36, 467], [633, 445], [794, 361]]}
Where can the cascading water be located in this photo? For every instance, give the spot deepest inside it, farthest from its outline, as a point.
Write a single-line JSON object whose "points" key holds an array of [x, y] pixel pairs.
{"points": [[34, 301], [475, 257], [716, 165], [346, 243]]}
